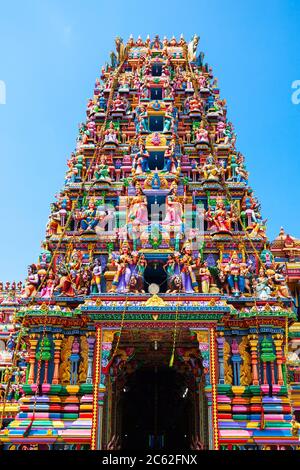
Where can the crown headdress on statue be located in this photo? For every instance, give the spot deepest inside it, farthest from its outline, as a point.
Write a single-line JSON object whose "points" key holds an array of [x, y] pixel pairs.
{"points": [[187, 245], [173, 186], [125, 244], [234, 255]]}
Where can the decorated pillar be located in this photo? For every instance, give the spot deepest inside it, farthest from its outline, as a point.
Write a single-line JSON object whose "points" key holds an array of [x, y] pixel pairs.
{"points": [[33, 342], [91, 342], [97, 412], [253, 341], [102, 349], [220, 343], [213, 377], [57, 340], [278, 340], [207, 345]]}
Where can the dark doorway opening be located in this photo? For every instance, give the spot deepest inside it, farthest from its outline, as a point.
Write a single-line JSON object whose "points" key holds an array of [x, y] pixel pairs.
{"points": [[155, 273], [156, 160], [156, 93], [156, 411], [156, 123], [156, 70]]}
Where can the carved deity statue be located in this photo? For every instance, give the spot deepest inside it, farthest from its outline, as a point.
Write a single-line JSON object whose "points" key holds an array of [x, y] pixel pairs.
{"points": [[192, 48]]}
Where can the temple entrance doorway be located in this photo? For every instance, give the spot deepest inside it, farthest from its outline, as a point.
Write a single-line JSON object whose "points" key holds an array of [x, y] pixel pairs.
{"points": [[153, 403], [156, 411]]}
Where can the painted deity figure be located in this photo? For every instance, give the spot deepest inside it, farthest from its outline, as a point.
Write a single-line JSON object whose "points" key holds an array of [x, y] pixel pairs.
{"points": [[67, 282], [188, 264], [119, 104], [32, 282], [195, 104], [170, 162], [202, 81], [281, 288], [141, 159], [138, 265], [168, 122], [89, 217], [220, 131], [211, 171], [138, 211], [234, 279], [96, 277], [205, 278], [201, 134], [174, 210], [122, 277], [142, 120], [102, 170], [219, 220], [261, 286], [173, 270], [192, 48], [110, 135], [48, 288]]}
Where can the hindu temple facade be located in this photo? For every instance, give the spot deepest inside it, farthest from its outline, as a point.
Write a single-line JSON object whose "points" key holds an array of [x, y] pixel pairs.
{"points": [[157, 315]]}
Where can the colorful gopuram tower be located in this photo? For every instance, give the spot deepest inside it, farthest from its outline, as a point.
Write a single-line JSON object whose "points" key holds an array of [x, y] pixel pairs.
{"points": [[156, 316]]}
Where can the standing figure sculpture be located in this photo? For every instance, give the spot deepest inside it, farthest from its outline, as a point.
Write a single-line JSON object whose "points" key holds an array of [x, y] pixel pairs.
{"points": [[122, 261], [192, 48], [120, 49], [188, 264], [174, 210], [32, 282], [96, 278]]}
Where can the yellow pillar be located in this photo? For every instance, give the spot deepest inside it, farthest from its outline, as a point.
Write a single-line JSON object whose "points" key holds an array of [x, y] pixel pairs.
{"points": [[213, 375], [96, 380], [278, 340]]}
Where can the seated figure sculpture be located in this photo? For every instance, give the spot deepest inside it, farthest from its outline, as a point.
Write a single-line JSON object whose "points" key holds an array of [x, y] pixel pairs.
{"points": [[110, 135], [201, 135], [102, 170], [89, 217], [219, 221]]}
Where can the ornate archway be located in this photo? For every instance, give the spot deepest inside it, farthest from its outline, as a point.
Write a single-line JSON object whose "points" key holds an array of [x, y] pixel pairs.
{"points": [[149, 405]]}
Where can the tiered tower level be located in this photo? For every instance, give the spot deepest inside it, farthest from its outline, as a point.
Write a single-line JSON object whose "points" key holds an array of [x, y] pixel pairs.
{"points": [[155, 255]]}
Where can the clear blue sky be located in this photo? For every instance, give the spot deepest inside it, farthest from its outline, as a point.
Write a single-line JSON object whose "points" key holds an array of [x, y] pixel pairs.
{"points": [[51, 53]]}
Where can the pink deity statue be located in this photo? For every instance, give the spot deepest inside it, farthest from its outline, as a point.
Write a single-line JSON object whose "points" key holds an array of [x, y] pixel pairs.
{"points": [[138, 211], [174, 210], [47, 290], [202, 81], [156, 140], [218, 220], [91, 127], [118, 104], [220, 131], [201, 134]]}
